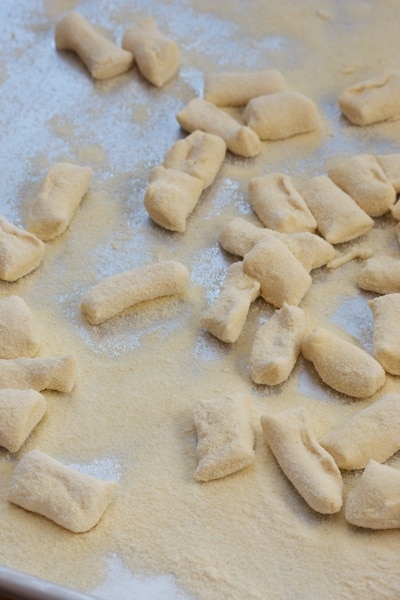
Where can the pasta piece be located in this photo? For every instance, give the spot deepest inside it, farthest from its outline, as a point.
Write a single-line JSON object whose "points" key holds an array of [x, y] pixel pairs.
{"points": [[373, 432], [18, 332], [386, 336], [373, 100], [308, 466], [226, 317], [374, 502], [362, 253], [380, 274], [102, 57], [171, 197], [157, 57], [237, 88], [277, 345], [71, 499], [395, 210], [239, 236], [58, 373], [113, 294], [278, 204], [20, 412], [281, 115], [282, 277], [200, 114], [342, 365], [225, 437], [199, 155], [21, 252], [339, 218], [390, 164]]}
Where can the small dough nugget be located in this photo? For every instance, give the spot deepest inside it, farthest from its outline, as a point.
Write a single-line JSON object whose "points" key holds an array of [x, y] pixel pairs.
{"points": [[373, 100], [373, 432], [342, 365], [225, 436], [157, 57], [281, 115], [395, 210], [20, 412], [279, 205], [236, 88], [373, 502], [71, 499], [199, 155], [55, 373], [380, 274], [386, 334], [102, 57], [18, 332], [112, 295], [390, 164], [200, 114], [21, 252], [339, 218], [306, 464], [62, 191], [277, 345], [226, 317]]}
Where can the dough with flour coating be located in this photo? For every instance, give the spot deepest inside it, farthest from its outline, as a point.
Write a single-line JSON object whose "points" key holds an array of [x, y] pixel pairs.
{"points": [[390, 164], [20, 412], [54, 373], [380, 274], [21, 252], [19, 335], [236, 88], [386, 333]]}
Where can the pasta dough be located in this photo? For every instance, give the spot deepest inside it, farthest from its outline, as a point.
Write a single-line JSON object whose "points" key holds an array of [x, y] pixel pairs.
{"points": [[386, 335], [18, 332], [390, 164], [21, 252], [380, 274], [237, 88], [20, 412], [58, 373], [71, 499]]}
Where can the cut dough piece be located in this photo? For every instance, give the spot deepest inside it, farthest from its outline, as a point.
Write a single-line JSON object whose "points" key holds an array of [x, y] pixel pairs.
{"points": [[277, 345], [373, 100], [281, 115], [339, 261], [374, 501], [342, 365], [102, 57], [307, 465], [71, 499], [199, 155], [225, 436], [18, 332], [279, 205], [339, 218], [55, 373], [374, 432], [20, 412], [112, 295], [380, 274], [20, 251], [61, 193], [157, 57], [390, 164], [395, 210], [386, 335], [282, 277], [237, 88], [239, 236], [226, 317], [200, 114], [171, 197]]}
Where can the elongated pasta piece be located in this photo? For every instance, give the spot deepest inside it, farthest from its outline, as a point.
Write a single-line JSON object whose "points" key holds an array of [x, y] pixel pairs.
{"points": [[20, 412], [380, 274], [386, 334], [236, 88], [225, 436], [50, 373], [19, 335], [307, 465], [49, 488], [102, 57], [21, 252], [339, 261], [342, 365], [390, 164]]}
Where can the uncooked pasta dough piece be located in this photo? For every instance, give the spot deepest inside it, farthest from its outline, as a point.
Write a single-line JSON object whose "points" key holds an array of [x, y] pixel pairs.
{"points": [[200, 114], [395, 210], [20, 412], [157, 57], [49, 488], [239, 236], [55, 373], [277, 345], [279, 205], [342, 365], [362, 253], [374, 432], [18, 332], [226, 317], [282, 277], [61, 193], [102, 57], [281, 115], [339, 218], [306, 464], [363, 178], [386, 334], [374, 501], [380, 274], [112, 295], [171, 197], [373, 100], [390, 164], [225, 437], [236, 88], [199, 155], [20, 251]]}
